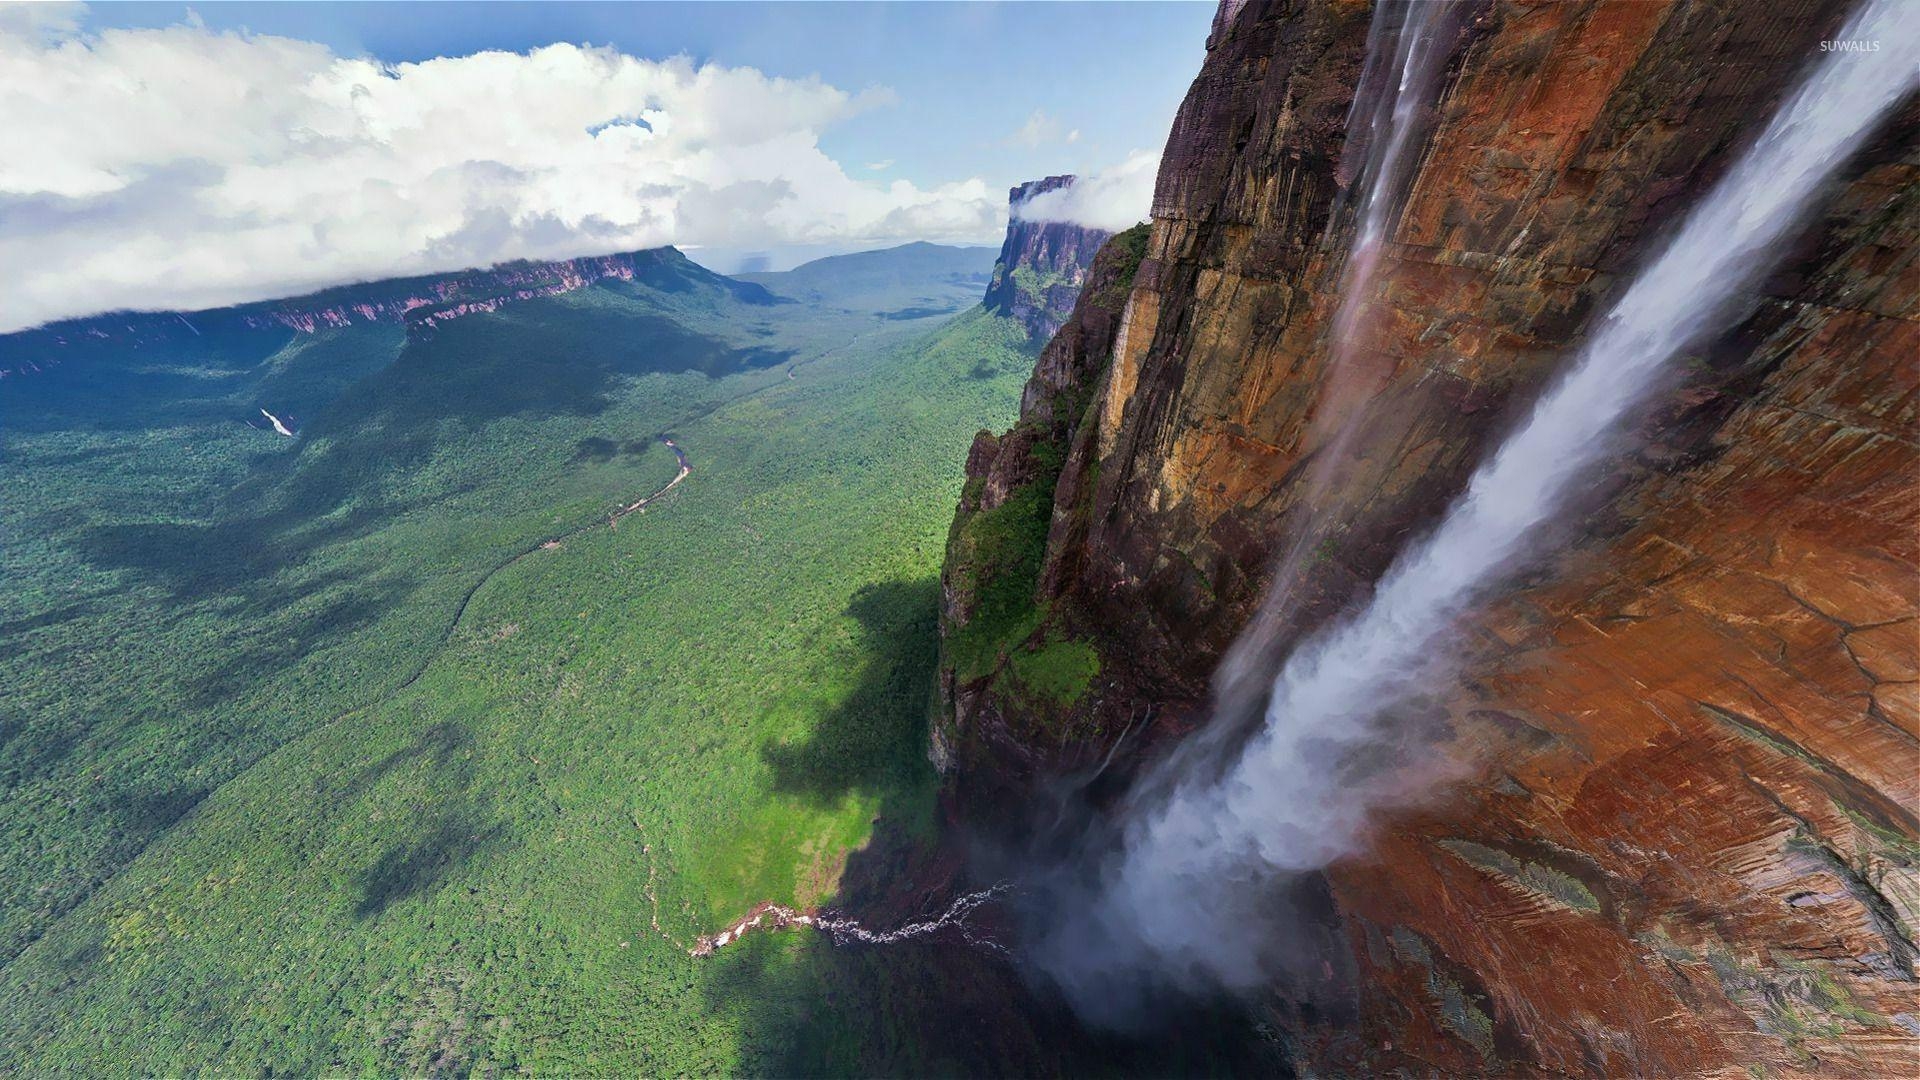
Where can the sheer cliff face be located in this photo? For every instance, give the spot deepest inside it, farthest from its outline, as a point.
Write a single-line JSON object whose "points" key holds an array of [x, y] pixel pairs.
{"points": [[1042, 264], [1000, 647], [1683, 838]]}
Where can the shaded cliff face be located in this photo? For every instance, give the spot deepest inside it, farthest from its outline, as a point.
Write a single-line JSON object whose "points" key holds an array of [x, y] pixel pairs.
{"points": [[1042, 264], [1004, 656], [1684, 838]]}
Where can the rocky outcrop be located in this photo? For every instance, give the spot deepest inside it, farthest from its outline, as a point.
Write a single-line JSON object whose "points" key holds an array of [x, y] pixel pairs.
{"points": [[1042, 264], [1682, 839]]}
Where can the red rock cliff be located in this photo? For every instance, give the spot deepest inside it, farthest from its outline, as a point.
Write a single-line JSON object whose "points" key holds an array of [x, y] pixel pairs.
{"points": [[1686, 840]]}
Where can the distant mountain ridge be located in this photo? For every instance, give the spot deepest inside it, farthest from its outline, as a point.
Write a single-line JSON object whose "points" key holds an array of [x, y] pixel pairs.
{"points": [[420, 303], [441, 298], [905, 282]]}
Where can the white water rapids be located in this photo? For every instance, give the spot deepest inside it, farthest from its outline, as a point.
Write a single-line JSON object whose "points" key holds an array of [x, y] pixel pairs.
{"points": [[1173, 905]]}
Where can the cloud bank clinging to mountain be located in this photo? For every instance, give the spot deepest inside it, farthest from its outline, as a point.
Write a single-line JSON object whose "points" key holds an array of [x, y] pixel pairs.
{"points": [[1112, 199]]}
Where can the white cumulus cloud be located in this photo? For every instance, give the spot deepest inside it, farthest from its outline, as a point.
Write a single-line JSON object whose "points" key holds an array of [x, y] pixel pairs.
{"points": [[1112, 199], [41, 20], [184, 168]]}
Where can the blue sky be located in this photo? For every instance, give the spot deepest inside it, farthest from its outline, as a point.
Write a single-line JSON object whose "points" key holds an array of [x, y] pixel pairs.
{"points": [[967, 75], [174, 156]]}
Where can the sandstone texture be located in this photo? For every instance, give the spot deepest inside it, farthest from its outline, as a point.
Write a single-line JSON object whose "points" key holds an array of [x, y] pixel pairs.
{"points": [[1679, 835]]}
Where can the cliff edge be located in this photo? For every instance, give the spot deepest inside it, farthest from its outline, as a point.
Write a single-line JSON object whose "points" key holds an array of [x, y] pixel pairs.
{"points": [[1680, 837]]}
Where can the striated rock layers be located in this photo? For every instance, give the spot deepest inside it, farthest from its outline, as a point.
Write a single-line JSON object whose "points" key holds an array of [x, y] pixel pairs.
{"points": [[1042, 264], [437, 300], [1679, 834]]}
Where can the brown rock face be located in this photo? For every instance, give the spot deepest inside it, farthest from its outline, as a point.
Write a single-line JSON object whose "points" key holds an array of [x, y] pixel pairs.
{"points": [[1042, 264], [1683, 837], [999, 638]]}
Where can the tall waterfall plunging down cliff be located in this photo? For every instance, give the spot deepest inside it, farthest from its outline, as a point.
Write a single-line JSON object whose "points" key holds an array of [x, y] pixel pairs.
{"points": [[1387, 108], [1408, 45], [1174, 905]]}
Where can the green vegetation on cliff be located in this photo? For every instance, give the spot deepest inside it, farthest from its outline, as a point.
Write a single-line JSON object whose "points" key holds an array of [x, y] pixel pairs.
{"points": [[994, 558], [1035, 283], [1059, 670], [1001, 631], [1127, 250]]}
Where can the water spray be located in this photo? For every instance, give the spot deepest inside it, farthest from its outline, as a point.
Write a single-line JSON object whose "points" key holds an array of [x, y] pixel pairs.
{"points": [[1179, 903]]}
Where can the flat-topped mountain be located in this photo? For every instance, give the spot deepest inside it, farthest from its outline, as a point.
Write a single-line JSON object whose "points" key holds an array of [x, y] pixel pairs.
{"points": [[420, 304], [906, 282], [1042, 264]]}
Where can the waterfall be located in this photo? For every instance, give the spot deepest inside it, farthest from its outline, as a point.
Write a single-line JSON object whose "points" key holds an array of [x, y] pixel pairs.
{"points": [[1387, 110], [1180, 901], [1408, 46]]}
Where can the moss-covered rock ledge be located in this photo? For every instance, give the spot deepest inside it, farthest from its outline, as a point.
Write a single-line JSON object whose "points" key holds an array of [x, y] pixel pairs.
{"points": [[1017, 669]]}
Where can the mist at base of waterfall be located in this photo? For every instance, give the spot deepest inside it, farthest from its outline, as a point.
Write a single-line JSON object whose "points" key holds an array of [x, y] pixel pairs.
{"points": [[1191, 888]]}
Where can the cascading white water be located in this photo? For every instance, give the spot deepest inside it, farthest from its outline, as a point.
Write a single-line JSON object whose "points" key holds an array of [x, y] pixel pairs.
{"points": [[1420, 36], [1169, 906], [845, 930], [1408, 45]]}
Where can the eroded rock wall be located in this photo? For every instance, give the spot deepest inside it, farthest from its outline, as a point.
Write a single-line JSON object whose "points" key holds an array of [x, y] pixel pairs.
{"points": [[1007, 656], [1684, 840], [1042, 264]]}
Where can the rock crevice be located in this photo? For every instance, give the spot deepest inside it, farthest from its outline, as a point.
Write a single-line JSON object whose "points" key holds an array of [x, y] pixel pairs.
{"points": [[1734, 563]]}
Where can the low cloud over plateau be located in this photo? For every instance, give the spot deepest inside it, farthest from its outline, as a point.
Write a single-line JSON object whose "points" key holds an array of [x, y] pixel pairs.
{"points": [[1113, 199]]}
